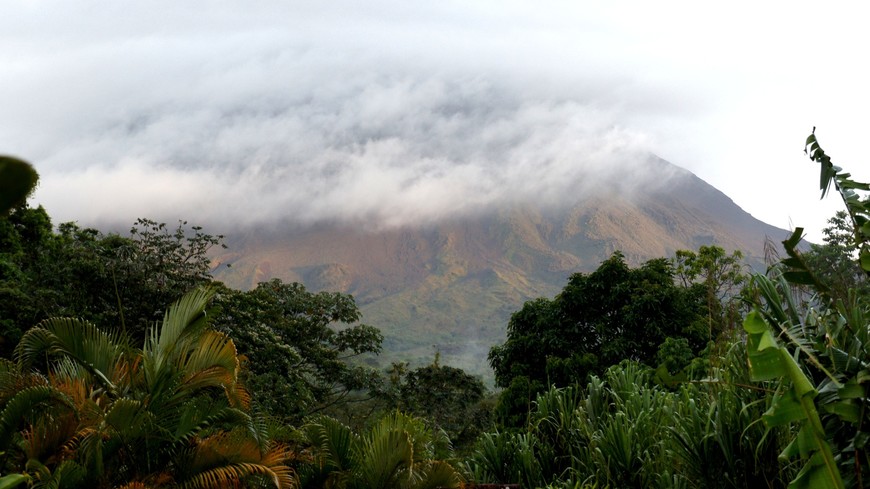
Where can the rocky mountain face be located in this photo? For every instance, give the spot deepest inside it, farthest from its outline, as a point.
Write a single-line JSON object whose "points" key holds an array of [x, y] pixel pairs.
{"points": [[451, 286]]}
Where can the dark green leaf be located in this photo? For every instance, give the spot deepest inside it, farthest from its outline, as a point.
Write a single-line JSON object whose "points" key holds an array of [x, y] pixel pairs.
{"points": [[851, 391], [784, 410], [847, 410], [17, 180]]}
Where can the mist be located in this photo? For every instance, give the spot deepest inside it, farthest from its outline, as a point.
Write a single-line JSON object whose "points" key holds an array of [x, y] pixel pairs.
{"points": [[312, 118], [391, 113]]}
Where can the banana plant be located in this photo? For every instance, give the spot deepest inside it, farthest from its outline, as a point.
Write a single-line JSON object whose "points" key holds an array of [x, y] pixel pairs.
{"points": [[857, 207], [816, 348]]}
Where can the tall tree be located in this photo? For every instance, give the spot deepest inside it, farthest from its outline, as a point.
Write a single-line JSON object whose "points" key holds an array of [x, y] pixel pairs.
{"points": [[299, 345], [446, 397], [116, 281], [612, 314], [720, 276]]}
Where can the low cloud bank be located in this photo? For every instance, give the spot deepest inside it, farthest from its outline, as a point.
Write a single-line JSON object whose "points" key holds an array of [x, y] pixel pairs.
{"points": [[379, 119]]}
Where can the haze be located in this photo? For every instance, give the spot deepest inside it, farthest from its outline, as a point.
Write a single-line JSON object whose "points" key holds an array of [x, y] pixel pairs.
{"points": [[389, 113]]}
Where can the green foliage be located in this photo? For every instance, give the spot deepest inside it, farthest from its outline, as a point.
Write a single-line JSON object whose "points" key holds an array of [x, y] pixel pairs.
{"points": [[516, 401], [857, 208], [12, 480], [398, 451], [720, 277], [107, 279], [624, 430], [598, 320], [833, 263], [298, 345], [447, 398], [173, 413], [23, 236], [827, 356], [815, 346], [17, 181], [675, 354]]}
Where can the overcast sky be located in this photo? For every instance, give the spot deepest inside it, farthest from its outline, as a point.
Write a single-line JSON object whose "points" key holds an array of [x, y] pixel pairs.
{"points": [[397, 111]]}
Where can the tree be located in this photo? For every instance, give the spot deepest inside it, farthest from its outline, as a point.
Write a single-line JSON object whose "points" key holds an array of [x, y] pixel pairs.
{"points": [[102, 413], [447, 398], [612, 314], [720, 276], [24, 234], [153, 266], [17, 181], [298, 345], [834, 263], [107, 279]]}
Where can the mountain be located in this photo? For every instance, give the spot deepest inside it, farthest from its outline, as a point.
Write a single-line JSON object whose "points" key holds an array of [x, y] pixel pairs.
{"points": [[452, 286]]}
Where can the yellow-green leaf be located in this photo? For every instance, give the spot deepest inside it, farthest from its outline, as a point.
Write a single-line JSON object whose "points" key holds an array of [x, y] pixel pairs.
{"points": [[754, 323]]}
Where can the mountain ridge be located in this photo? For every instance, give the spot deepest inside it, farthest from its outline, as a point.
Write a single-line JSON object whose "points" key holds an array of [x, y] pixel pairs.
{"points": [[452, 286]]}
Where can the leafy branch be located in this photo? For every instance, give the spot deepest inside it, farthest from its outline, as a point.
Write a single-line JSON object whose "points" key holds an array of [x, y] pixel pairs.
{"points": [[858, 208]]}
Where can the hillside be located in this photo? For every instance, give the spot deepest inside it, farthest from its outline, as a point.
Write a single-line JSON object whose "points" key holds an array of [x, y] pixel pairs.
{"points": [[452, 286]]}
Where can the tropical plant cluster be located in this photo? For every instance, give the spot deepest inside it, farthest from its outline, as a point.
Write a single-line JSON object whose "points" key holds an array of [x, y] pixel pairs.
{"points": [[626, 430], [682, 372]]}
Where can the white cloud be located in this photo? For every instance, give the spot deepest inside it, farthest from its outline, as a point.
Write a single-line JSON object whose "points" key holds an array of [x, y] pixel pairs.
{"points": [[396, 111]]}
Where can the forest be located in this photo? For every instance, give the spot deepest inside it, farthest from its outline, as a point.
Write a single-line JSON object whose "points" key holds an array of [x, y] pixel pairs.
{"points": [[123, 363]]}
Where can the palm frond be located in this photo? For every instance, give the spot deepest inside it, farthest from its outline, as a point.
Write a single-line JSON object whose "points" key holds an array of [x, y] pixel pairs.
{"points": [[13, 381], [420, 435], [225, 459], [234, 475], [385, 458], [185, 317], [67, 474], [161, 357], [129, 419], [47, 436], [436, 473], [95, 350], [203, 414], [335, 443], [28, 404], [211, 348]]}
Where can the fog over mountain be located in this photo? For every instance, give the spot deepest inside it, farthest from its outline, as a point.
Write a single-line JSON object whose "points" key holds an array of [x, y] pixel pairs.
{"points": [[377, 150], [452, 286], [385, 112]]}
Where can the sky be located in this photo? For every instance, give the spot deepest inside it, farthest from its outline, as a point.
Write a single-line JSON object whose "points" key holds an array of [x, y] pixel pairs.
{"points": [[397, 112]]}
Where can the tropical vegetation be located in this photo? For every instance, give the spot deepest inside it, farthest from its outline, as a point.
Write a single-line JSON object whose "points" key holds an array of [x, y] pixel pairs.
{"points": [[81, 407], [681, 372]]}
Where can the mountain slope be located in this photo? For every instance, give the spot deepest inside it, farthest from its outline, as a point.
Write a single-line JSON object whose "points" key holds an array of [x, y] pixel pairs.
{"points": [[452, 286]]}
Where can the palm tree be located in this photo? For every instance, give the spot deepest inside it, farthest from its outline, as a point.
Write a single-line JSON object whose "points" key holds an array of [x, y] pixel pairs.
{"points": [[400, 451], [105, 414]]}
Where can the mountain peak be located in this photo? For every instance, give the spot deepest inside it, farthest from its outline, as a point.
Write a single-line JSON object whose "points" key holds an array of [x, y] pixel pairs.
{"points": [[452, 285]]}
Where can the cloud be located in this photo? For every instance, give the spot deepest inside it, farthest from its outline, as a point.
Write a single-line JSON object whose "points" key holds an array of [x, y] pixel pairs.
{"points": [[388, 112], [257, 123], [393, 151]]}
